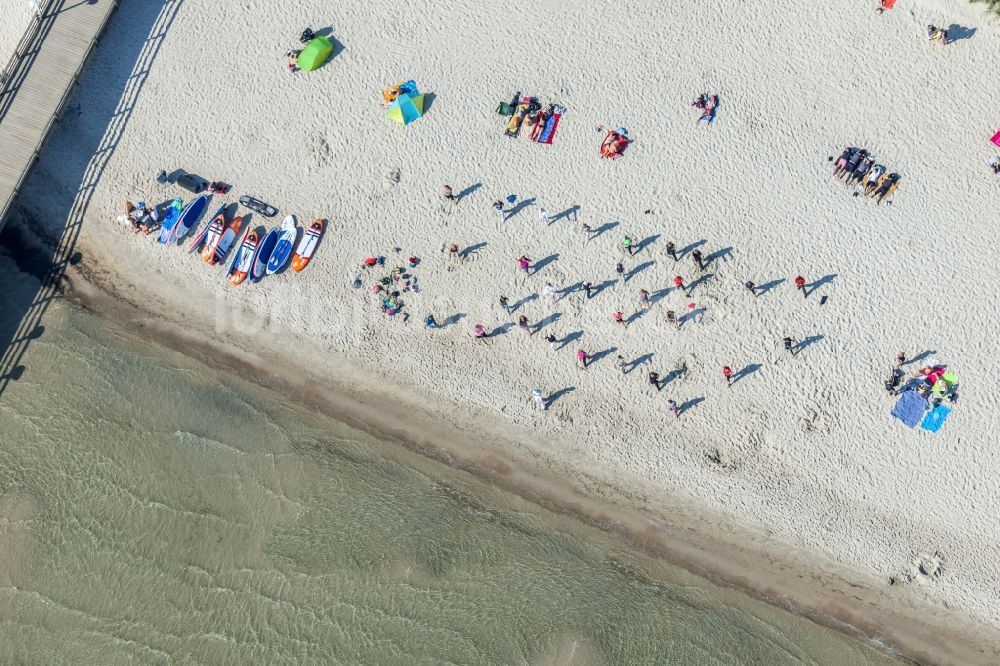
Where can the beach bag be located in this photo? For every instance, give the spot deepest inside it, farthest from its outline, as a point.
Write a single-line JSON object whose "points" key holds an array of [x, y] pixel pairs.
{"points": [[505, 109]]}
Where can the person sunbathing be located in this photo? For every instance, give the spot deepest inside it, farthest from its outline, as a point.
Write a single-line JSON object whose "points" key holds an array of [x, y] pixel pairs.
{"points": [[852, 164], [859, 172], [842, 160], [709, 106], [874, 175], [887, 188], [613, 145]]}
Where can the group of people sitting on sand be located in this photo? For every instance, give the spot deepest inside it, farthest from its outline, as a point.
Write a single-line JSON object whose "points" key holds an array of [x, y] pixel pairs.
{"points": [[857, 168], [615, 142], [709, 106]]}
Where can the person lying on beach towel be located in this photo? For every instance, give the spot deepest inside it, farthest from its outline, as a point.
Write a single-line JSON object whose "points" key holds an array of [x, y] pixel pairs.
{"points": [[614, 144], [514, 124], [860, 171], [874, 175], [709, 105], [887, 188], [852, 164], [841, 163]]}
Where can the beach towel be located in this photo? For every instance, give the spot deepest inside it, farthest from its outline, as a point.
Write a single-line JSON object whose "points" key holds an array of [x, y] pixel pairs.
{"points": [[514, 124], [551, 123], [996, 139], [935, 418], [910, 408]]}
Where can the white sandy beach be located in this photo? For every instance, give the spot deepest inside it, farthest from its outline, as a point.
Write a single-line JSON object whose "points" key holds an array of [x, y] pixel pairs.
{"points": [[804, 449], [15, 16]]}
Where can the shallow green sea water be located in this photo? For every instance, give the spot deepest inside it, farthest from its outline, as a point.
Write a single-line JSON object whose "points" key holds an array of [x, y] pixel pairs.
{"points": [[155, 510]]}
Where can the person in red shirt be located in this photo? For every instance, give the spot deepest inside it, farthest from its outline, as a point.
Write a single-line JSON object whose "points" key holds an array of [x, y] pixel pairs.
{"points": [[617, 316], [727, 372], [800, 284], [679, 283]]}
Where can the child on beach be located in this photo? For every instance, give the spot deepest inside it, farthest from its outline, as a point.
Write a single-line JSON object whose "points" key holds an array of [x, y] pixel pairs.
{"points": [[751, 287], [523, 264], [617, 316], [628, 245], [644, 300], [672, 407], [551, 339], [448, 194], [536, 395], [505, 304], [480, 332], [582, 358], [800, 284]]}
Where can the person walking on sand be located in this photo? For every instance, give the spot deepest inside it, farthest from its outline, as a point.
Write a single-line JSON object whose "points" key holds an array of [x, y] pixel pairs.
{"points": [[900, 359], [679, 283], [522, 324], [523, 264], [727, 372], [454, 255], [505, 304], [498, 207], [588, 233], [536, 395], [800, 284], [550, 292], [628, 245], [543, 217], [789, 345], [587, 287], [621, 363], [644, 301], [551, 339], [654, 379], [620, 269], [671, 249], [671, 318], [751, 287], [617, 316], [582, 359], [449, 195], [480, 332], [430, 322], [672, 406], [698, 260]]}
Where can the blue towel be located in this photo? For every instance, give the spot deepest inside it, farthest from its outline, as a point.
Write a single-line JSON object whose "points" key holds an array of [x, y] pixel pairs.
{"points": [[935, 418], [910, 408]]}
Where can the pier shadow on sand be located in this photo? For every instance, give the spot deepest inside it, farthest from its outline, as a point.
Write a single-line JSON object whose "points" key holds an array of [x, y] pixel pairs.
{"points": [[124, 59]]}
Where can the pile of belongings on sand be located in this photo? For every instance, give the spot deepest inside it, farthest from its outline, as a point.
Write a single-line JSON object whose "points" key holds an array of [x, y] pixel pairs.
{"points": [[403, 102], [857, 168], [529, 120], [922, 399]]}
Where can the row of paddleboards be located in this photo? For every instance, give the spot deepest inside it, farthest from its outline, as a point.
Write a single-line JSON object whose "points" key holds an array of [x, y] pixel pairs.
{"points": [[255, 256]]}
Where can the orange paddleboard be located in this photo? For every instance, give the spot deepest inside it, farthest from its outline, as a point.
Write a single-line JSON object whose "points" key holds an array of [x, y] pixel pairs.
{"points": [[225, 241], [307, 246]]}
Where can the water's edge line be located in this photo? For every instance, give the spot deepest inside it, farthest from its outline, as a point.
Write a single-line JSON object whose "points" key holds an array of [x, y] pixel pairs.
{"points": [[730, 555]]}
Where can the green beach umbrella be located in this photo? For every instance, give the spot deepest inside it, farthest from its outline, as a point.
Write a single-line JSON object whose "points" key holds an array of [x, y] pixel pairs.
{"points": [[315, 54], [406, 108]]}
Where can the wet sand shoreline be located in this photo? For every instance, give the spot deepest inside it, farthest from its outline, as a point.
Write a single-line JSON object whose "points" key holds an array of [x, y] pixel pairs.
{"points": [[684, 535]]}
